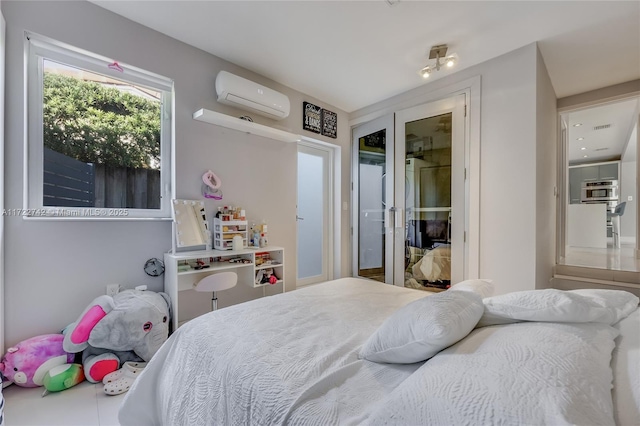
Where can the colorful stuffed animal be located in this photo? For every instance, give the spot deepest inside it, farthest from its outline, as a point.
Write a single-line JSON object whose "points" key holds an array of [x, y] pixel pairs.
{"points": [[27, 363], [62, 377], [131, 326]]}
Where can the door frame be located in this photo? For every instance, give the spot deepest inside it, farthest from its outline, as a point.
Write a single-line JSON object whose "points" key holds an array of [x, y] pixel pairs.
{"points": [[2, 77], [334, 218], [472, 88], [562, 184]]}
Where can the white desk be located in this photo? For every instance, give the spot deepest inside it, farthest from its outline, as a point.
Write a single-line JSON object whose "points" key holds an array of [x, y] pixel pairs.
{"points": [[176, 281], [587, 225]]}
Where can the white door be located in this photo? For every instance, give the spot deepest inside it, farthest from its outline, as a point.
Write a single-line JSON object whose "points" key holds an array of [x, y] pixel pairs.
{"points": [[372, 200], [430, 197], [409, 196], [314, 233]]}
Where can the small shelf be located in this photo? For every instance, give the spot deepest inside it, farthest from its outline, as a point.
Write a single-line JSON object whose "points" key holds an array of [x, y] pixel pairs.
{"points": [[215, 266], [223, 240], [273, 265], [267, 284], [245, 126]]}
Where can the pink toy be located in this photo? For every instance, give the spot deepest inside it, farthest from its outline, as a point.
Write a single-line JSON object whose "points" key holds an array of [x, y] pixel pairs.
{"points": [[27, 363]]}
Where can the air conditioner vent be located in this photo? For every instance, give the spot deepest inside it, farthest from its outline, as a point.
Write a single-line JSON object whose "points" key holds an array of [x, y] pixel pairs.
{"points": [[601, 149], [602, 127]]}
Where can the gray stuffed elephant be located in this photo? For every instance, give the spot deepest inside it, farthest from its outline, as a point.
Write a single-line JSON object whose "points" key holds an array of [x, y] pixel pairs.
{"points": [[131, 326]]}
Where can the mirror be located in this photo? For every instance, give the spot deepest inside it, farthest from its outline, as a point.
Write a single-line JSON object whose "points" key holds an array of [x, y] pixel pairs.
{"points": [[190, 223]]}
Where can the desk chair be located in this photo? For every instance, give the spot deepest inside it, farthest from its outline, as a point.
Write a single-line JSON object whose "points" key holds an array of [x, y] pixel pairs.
{"points": [[216, 282], [615, 223]]}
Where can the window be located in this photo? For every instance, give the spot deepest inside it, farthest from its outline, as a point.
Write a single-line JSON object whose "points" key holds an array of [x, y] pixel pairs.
{"points": [[99, 136]]}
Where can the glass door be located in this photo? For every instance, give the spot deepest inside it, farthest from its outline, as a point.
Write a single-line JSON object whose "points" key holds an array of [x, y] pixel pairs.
{"points": [[313, 214], [373, 230], [430, 189]]}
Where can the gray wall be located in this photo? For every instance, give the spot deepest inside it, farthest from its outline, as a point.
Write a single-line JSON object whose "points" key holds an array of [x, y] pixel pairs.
{"points": [[54, 269], [508, 165]]}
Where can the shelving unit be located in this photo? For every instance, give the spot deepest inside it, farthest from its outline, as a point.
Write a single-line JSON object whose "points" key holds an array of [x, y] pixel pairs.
{"points": [[223, 239], [177, 281], [268, 263]]}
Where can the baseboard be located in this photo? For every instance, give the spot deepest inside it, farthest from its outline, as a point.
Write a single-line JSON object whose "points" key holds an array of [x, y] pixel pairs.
{"points": [[627, 240]]}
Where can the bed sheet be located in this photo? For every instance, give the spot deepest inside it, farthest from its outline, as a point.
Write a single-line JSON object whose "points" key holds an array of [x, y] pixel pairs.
{"points": [[626, 371], [289, 358], [435, 265]]}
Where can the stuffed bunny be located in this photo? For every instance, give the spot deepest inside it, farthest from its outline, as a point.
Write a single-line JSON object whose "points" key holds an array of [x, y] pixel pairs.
{"points": [[131, 326]]}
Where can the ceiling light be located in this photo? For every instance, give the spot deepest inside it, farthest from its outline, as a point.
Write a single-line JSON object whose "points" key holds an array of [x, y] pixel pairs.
{"points": [[580, 139], [585, 156], [583, 148], [438, 53], [577, 125]]}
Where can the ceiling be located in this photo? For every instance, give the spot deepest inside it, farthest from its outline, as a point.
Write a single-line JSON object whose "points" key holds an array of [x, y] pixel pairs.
{"points": [[351, 54], [602, 133]]}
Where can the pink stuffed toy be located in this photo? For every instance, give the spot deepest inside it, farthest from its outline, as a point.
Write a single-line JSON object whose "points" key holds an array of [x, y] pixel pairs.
{"points": [[27, 363]]}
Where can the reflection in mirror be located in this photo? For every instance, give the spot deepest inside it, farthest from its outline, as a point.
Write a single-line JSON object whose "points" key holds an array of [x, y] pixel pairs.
{"points": [[190, 223]]}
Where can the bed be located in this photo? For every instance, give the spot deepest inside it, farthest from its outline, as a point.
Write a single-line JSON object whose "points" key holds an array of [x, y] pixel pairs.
{"points": [[304, 357]]}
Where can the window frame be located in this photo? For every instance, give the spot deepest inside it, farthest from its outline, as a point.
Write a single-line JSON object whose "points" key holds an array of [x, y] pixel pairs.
{"points": [[39, 48]]}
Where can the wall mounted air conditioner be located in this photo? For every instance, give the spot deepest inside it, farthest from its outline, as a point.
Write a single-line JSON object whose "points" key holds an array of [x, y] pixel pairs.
{"points": [[249, 96]]}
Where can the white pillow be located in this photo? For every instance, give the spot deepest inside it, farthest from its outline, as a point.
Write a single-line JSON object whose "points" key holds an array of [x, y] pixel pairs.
{"points": [[551, 305], [422, 328], [481, 286], [531, 373]]}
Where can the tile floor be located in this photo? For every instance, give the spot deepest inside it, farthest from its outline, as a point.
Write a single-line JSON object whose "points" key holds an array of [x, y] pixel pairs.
{"points": [[84, 405], [622, 259]]}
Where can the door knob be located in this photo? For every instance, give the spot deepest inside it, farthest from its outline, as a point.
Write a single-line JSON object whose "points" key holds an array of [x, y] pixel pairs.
{"points": [[299, 218]]}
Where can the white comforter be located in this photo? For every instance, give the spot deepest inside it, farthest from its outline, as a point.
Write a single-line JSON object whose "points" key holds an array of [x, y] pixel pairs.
{"points": [[293, 359], [530, 373], [287, 358]]}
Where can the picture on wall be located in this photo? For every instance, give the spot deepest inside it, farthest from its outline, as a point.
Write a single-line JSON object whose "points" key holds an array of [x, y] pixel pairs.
{"points": [[329, 123], [312, 117]]}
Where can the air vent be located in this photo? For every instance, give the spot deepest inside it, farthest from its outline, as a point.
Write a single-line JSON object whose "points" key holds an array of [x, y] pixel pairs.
{"points": [[601, 149], [602, 127]]}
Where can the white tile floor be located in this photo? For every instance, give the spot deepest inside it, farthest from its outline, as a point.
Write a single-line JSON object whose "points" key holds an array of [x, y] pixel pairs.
{"points": [[84, 405], [622, 259]]}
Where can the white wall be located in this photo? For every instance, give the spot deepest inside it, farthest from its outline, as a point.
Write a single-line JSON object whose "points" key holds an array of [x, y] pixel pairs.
{"points": [[54, 269], [508, 164], [546, 179]]}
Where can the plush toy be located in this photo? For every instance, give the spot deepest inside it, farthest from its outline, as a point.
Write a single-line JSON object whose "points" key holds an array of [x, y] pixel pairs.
{"points": [[27, 363], [131, 326], [62, 377]]}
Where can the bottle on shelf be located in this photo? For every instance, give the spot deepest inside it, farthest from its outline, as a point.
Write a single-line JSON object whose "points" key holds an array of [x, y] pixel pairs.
{"points": [[255, 236]]}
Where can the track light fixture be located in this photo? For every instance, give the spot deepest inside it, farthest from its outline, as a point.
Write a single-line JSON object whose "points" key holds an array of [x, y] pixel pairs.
{"points": [[438, 53]]}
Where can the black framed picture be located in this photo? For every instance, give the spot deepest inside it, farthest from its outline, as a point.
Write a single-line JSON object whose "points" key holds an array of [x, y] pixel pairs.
{"points": [[329, 123], [311, 117]]}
